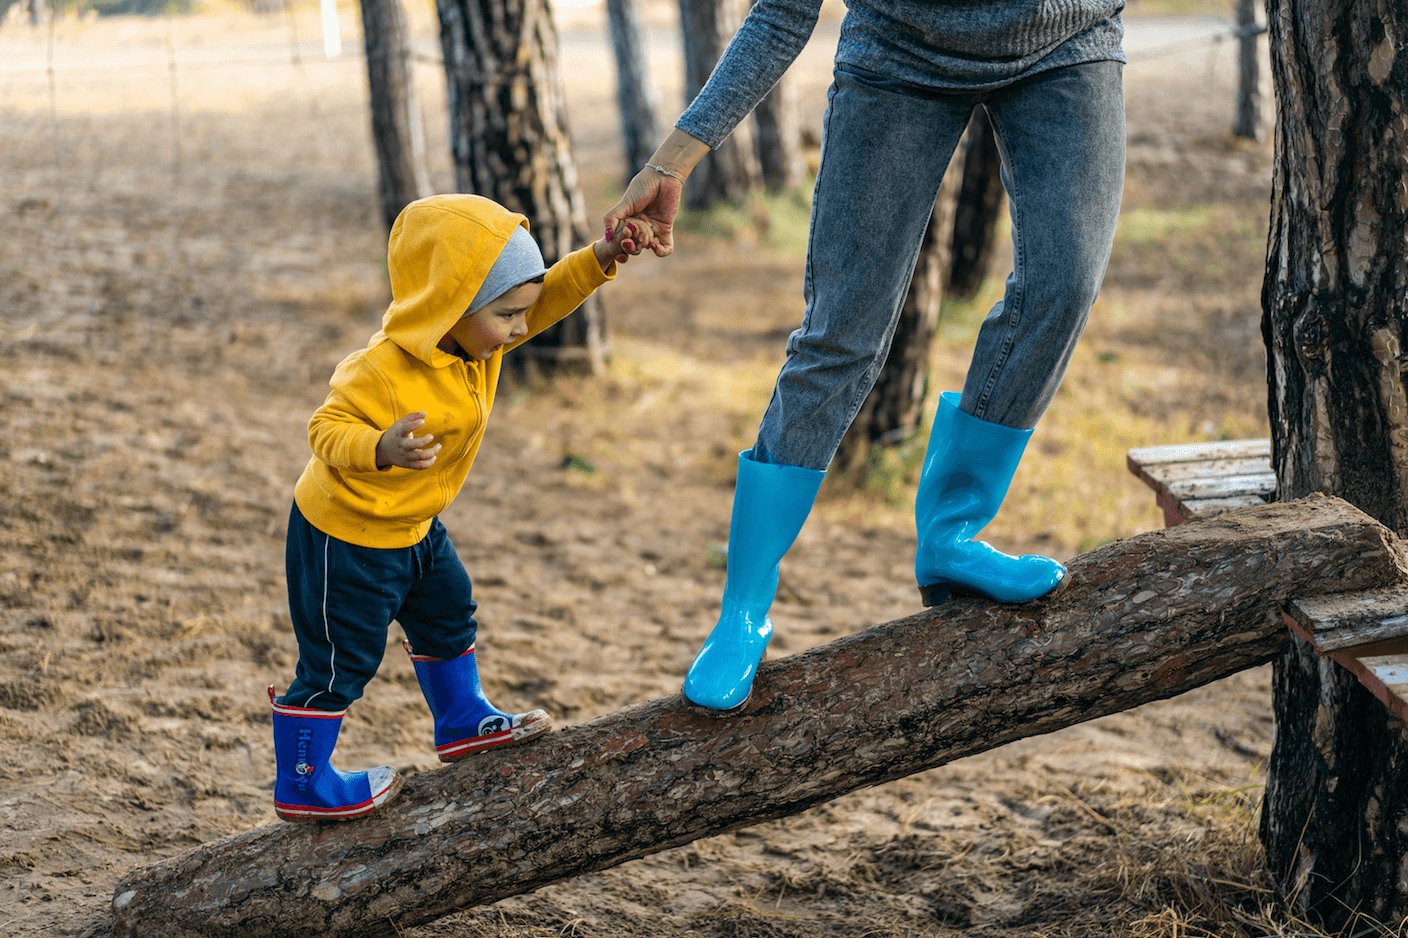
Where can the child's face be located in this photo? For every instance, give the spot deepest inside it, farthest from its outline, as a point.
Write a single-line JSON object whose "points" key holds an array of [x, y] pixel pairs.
{"points": [[489, 328]]}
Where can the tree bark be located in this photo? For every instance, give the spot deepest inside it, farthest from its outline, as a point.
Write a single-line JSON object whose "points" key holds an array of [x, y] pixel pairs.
{"points": [[894, 407], [1248, 121], [635, 93], [397, 132], [979, 205], [1142, 619], [779, 144], [509, 140], [1335, 312], [730, 170]]}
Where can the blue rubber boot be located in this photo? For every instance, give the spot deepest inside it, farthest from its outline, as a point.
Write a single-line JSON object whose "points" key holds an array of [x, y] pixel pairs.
{"points": [[307, 787], [967, 469], [770, 505], [465, 722]]}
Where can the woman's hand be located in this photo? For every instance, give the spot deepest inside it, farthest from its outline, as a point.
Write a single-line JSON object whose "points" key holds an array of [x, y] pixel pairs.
{"points": [[654, 193], [631, 236], [656, 198]]}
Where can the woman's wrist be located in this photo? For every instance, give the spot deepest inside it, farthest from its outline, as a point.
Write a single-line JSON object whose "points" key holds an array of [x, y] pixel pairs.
{"points": [[677, 155]]}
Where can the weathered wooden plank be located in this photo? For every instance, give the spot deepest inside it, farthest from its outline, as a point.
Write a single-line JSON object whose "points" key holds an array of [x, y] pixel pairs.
{"points": [[1201, 452], [1224, 486], [1195, 509], [1142, 619], [1172, 474], [1386, 677], [1347, 620]]}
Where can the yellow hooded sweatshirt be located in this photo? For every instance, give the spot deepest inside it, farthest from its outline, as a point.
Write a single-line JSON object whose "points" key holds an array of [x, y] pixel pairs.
{"points": [[440, 251]]}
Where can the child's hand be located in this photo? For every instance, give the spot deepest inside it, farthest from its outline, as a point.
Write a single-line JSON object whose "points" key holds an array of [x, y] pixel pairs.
{"points": [[631, 236], [399, 446]]}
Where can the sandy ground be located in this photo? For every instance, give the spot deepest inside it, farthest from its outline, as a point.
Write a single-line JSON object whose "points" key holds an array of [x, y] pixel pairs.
{"points": [[177, 284]]}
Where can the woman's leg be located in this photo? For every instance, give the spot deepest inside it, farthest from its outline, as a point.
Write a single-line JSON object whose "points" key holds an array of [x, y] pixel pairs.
{"points": [[884, 152], [1062, 138], [1062, 141], [885, 148]]}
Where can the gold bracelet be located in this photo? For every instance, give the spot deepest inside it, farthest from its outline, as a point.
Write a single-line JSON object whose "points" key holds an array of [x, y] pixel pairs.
{"points": [[661, 169]]}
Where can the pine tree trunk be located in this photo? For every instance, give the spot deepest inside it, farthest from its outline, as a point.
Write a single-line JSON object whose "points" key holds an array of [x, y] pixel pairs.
{"points": [[779, 143], [731, 170], [893, 408], [397, 132], [979, 206], [509, 140], [635, 94], [1335, 313]]}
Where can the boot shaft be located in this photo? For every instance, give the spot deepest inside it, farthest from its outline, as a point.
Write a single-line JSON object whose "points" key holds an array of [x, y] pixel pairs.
{"points": [[304, 740], [968, 467], [770, 505]]}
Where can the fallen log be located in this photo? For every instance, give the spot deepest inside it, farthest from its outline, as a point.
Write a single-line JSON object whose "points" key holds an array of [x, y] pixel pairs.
{"points": [[1142, 619]]}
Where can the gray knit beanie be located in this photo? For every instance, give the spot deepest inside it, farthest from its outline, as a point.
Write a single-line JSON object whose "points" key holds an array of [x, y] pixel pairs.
{"points": [[520, 261]]}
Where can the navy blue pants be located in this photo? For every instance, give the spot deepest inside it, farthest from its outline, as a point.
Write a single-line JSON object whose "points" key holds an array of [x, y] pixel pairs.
{"points": [[342, 599]]}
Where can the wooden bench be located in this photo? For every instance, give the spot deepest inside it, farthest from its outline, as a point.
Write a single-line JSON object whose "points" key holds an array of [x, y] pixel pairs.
{"points": [[1199, 480], [1366, 633]]}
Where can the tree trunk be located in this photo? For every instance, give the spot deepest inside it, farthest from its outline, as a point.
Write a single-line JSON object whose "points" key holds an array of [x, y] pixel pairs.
{"points": [[779, 144], [892, 410], [509, 140], [1335, 311], [36, 15], [1142, 619], [635, 93], [979, 205], [397, 131], [1248, 122], [730, 171]]}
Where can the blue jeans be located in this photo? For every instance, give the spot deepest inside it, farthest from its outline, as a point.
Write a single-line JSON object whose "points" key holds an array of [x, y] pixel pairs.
{"points": [[342, 599], [885, 146]]}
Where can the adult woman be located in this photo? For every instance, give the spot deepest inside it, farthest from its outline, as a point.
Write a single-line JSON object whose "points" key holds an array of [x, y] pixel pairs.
{"points": [[908, 75]]}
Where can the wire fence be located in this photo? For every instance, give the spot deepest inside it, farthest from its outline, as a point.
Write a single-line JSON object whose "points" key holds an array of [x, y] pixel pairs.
{"points": [[305, 55]]}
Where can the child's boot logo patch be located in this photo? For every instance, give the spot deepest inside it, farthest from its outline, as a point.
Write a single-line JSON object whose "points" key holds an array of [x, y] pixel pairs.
{"points": [[496, 723]]}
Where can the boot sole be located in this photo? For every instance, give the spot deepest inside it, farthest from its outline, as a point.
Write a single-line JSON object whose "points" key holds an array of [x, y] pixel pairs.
{"points": [[936, 593], [718, 711], [513, 737]]}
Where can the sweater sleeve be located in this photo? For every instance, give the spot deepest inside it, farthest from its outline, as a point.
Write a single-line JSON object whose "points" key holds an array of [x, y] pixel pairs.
{"points": [[770, 39], [341, 432], [567, 284]]}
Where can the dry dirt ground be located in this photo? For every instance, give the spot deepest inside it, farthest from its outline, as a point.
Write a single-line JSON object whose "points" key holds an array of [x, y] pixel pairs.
{"points": [[192, 243]]}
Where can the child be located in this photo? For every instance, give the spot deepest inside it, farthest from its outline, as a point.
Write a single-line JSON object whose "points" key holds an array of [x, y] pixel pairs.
{"points": [[364, 543]]}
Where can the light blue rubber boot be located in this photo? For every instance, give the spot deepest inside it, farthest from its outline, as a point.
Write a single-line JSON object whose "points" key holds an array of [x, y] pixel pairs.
{"points": [[307, 787], [465, 721], [770, 505], [967, 469]]}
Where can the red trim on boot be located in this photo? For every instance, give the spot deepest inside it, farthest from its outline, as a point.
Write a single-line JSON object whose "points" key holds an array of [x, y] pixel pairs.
{"points": [[535, 723], [415, 657]]}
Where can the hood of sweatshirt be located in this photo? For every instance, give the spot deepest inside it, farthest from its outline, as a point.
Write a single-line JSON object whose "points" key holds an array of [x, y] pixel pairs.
{"points": [[440, 251]]}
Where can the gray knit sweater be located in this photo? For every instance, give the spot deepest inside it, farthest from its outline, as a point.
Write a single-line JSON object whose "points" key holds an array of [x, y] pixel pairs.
{"points": [[947, 45]]}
